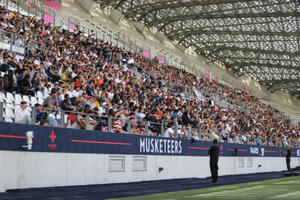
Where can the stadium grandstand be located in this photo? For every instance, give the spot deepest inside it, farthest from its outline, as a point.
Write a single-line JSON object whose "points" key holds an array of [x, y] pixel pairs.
{"points": [[107, 79]]}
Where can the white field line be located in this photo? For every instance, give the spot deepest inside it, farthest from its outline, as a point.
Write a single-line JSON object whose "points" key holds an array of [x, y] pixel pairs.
{"points": [[288, 195], [287, 182], [224, 193]]}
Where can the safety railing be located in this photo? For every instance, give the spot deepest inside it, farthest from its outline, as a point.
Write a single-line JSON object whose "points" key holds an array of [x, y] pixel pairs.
{"points": [[128, 124]]}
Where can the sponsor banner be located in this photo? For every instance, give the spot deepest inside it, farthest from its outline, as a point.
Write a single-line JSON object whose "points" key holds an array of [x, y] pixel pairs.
{"points": [[72, 26], [207, 76], [216, 79], [49, 139], [48, 18], [161, 59], [147, 54], [53, 4]]}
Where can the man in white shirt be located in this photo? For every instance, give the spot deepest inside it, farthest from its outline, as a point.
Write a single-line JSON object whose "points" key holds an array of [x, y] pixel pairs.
{"points": [[77, 92], [170, 132], [22, 115]]}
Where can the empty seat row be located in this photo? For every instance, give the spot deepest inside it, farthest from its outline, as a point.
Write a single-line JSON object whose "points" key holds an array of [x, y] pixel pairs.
{"points": [[9, 99]]}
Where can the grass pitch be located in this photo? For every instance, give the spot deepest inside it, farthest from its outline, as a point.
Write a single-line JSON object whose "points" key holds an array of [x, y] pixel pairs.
{"points": [[275, 189]]}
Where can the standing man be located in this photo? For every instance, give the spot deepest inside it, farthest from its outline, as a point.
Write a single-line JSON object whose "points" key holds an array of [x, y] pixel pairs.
{"points": [[214, 158], [288, 158]]}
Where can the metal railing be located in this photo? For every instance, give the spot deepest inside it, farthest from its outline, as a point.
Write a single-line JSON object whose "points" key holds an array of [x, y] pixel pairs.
{"points": [[46, 116]]}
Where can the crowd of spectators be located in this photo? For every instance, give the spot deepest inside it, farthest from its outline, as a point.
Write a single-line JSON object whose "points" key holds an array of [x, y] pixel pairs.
{"points": [[94, 78]]}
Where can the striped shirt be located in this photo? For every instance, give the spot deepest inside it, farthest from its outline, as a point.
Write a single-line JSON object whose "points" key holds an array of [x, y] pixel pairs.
{"points": [[117, 128]]}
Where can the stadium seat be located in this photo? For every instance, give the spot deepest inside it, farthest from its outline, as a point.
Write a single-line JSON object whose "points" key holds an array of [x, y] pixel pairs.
{"points": [[18, 99], [40, 94], [26, 99], [9, 113], [8, 119], [9, 105], [2, 97], [41, 100], [10, 97], [33, 101]]}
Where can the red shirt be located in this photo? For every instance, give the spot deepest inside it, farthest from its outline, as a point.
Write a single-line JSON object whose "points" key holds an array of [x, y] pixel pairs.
{"points": [[77, 83]]}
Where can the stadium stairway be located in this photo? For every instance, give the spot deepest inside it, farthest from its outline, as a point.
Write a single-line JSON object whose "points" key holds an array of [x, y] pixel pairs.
{"points": [[107, 191]]}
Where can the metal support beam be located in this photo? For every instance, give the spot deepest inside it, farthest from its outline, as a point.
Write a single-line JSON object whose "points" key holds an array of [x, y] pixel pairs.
{"points": [[279, 81], [261, 51], [173, 4], [189, 32], [196, 16], [268, 65]]}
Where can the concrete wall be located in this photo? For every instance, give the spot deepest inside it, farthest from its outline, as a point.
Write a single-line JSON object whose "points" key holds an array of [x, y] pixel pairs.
{"points": [[35, 169]]}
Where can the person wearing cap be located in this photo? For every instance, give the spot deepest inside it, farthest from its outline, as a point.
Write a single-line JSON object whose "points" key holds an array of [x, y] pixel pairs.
{"points": [[52, 100], [214, 158]]}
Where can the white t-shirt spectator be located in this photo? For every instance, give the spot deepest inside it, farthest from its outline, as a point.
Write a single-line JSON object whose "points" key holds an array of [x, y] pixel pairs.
{"points": [[22, 116], [76, 93], [169, 132], [181, 133]]}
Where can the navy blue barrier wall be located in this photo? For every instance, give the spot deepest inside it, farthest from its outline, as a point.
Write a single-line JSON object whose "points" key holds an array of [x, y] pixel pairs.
{"points": [[49, 139]]}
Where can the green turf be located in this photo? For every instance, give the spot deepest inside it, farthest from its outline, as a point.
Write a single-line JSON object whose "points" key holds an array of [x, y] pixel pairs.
{"points": [[275, 189]]}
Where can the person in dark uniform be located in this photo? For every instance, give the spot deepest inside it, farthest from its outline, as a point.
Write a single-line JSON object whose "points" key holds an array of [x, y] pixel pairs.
{"points": [[288, 158], [214, 158]]}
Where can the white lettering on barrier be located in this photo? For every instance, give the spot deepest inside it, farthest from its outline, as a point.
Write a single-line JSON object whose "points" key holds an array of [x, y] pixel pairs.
{"points": [[161, 146], [254, 150], [262, 151], [298, 152]]}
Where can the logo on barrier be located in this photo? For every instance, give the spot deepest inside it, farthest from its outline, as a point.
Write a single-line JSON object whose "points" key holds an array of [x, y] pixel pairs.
{"points": [[262, 151], [254, 150], [52, 137], [160, 146], [298, 152]]}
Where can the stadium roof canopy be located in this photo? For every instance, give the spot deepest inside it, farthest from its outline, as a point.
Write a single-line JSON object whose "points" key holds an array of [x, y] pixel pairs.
{"points": [[256, 38]]}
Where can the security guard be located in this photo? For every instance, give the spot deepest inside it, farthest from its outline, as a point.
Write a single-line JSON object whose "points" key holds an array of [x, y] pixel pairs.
{"points": [[288, 158], [214, 158]]}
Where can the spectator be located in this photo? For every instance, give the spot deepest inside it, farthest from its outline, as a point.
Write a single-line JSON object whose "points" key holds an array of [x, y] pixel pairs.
{"points": [[170, 132], [117, 127], [22, 115], [66, 103], [41, 115], [51, 100], [26, 87]]}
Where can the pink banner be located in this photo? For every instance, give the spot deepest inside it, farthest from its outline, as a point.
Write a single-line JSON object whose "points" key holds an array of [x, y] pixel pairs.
{"points": [[216, 79], [72, 26], [250, 92], [207, 76], [29, 4], [131, 70], [48, 18], [53, 4], [161, 59], [244, 90], [147, 54]]}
